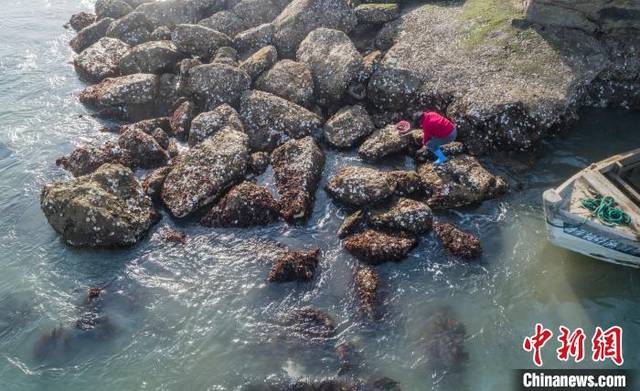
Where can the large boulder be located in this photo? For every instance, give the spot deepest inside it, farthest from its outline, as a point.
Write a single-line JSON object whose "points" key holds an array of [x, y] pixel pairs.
{"points": [[196, 40], [457, 241], [294, 266], [100, 60], [104, 209], [81, 20], [87, 159], [245, 205], [384, 142], [143, 148], [257, 12], [444, 337], [225, 22], [402, 214], [348, 126], [132, 29], [270, 120], [377, 13], [260, 61], [255, 38], [150, 57], [125, 96], [115, 9], [375, 247], [173, 12], [359, 186], [459, 182], [334, 62], [297, 168], [202, 174], [90, 35], [301, 17], [209, 123], [290, 80], [216, 84], [309, 323]]}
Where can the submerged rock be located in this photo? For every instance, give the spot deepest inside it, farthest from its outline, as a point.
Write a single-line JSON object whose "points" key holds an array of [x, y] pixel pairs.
{"points": [[144, 150], [444, 341], [260, 61], [289, 80], [297, 168], [382, 143], [150, 57], [271, 121], [100, 60], [132, 29], [459, 182], [402, 214], [152, 183], [104, 209], [125, 96], [375, 247], [85, 160], [90, 35], [349, 358], [245, 205], [216, 84], [203, 173], [301, 17], [310, 323], [334, 62], [354, 223], [348, 126], [171, 235], [294, 266], [209, 123], [197, 40], [458, 242], [367, 282], [81, 20], [359, 186]]}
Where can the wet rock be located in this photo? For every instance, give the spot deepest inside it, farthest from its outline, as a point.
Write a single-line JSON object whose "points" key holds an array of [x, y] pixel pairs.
{"points": [[132, 29], [334, 62], [458, 242], [297, 168], [216, 84], [459, 182], [301, 17], [171, 235], [349, 357], [375, 247], [444, 341], [260, 61], [408, 183], [209, 123], [225, 22], [197, 40], [382, 143], [402, 214], [385, 384], [93, 293], [245, 205], [126, 96], [270, 120], [367, 282], [181, 120], [257, 12], [354, 223], [162, 33], [226, 55], [85, 160], [104, 209], [255, 38], [259, 162], [150, 57], [203, 173], [90, 35], [310, 323], [144, 150], [377, 13], [289, 80], [100, 60], [348, 126], [152, 183], [115, 9], [359, 186], [81, 20], [295, 266]]}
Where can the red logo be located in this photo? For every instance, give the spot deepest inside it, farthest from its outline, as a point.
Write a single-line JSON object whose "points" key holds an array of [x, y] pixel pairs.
{"points": [[537, 342], [607, 344]]}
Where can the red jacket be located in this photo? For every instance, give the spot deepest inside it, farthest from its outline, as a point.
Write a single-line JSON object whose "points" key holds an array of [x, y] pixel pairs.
{"points": [[435, 126]]}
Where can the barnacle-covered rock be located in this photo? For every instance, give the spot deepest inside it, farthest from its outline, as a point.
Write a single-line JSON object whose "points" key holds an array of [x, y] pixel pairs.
{"points": [[379, 13], [260, 61], [90, 35], [203, 173], [216, 84], [309, 323], [126, 96], [367, 283], [402, 214], [132, 29], [87, 159], [255, 38], [348, 126], [375, 247], [150, 57], [144, 150], [294, 266], [359, 186], [81, 20], [104, 209], [384, 142], [209, 123], [197, 40], [100, 60], [290, 80], [115, 9], [457, 241], [225, 22], [245, 205], [444, 341], [181, 119], [152, 183]]}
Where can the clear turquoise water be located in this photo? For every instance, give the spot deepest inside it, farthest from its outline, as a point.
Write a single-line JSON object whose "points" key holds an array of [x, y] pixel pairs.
{"points": [[200, 316]]}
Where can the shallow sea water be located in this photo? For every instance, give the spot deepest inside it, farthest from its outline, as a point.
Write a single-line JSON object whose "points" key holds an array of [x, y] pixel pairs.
{"points": [[201, 317]]}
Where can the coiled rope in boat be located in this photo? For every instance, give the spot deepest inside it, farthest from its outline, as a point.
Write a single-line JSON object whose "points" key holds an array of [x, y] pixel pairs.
{"points": [[604, 208]]}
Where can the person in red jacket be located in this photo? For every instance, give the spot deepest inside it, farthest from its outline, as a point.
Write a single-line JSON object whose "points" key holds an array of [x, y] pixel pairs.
{"points": [[437, 131]]}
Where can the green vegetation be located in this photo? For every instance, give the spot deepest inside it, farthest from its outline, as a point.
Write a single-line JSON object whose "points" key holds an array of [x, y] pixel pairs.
{"points": [[485, 17]]}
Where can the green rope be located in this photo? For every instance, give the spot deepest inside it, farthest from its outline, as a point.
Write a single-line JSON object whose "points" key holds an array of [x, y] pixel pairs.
{"points": [[604, 208]]}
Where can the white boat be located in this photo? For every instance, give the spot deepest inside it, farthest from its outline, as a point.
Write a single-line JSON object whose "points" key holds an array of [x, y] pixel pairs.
{"points": [[572, 226]]}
